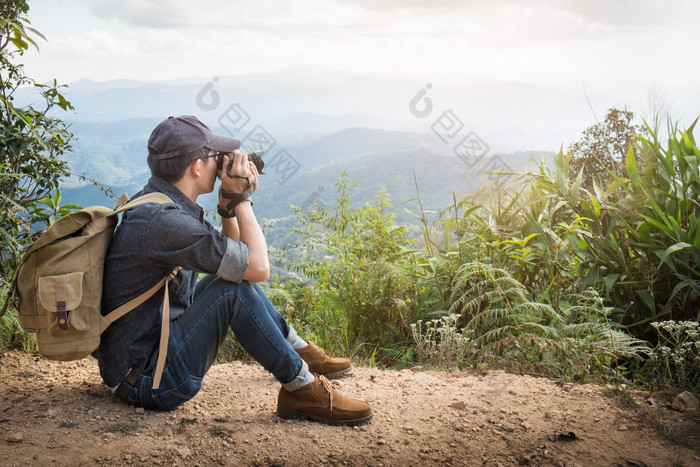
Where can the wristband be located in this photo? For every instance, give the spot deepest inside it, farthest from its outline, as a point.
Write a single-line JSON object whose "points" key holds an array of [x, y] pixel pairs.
{"points": [[224, 213], [235, 198]]}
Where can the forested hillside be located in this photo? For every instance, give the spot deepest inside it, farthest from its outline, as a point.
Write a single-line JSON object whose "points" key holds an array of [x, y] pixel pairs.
{"points": [[114, 154]]}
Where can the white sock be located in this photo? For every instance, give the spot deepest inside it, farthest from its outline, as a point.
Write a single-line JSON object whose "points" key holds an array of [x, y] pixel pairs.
{"points": [[299, 343], [309, 379]]}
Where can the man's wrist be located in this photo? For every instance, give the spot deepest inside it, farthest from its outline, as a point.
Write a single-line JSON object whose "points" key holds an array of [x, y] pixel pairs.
{"points": [[248, 200], [225, 213]]}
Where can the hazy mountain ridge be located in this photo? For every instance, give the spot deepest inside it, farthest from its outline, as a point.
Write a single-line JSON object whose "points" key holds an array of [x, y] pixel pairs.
{"points": [[438, 176], [329, 122], [115, 153], [508, 116]]}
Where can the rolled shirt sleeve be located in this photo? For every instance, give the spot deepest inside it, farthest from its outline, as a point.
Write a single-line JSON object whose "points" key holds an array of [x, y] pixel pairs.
{"points": [[234, 263]]}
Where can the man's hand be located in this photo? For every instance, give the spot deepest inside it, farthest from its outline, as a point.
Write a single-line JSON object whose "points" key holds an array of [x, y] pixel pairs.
{"points": [[241, 167], [244, 227]]}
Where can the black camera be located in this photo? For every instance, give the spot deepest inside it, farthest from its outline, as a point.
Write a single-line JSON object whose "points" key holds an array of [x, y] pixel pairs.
{"points": [[254, 157]]}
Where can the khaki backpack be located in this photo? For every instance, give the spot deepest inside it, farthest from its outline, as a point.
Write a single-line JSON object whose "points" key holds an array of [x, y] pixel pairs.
{"points": [[57, 289]]}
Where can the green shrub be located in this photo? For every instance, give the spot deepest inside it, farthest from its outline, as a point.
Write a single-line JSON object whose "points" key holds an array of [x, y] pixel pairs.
{"points": [[31, 137], [355, 296], [635, 240]]}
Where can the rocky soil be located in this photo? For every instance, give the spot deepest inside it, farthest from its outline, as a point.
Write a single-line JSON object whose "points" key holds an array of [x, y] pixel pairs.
{"points": [[54, 413]]}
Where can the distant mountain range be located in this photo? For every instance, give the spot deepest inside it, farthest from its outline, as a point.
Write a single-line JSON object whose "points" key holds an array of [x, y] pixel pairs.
{"points": [[320, 123], [115, 153], [299, 102], [324, 122], [372, 158]]}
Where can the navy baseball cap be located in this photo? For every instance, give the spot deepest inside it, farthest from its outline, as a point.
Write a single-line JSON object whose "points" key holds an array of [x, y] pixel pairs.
{"points": [[181, 135]]}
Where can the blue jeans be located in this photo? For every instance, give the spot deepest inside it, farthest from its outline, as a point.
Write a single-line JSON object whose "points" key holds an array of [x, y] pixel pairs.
{"points": [[198, 333]]}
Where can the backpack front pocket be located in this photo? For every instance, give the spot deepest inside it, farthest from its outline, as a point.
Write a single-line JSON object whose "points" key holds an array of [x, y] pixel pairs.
{"points": [[61, 296]]}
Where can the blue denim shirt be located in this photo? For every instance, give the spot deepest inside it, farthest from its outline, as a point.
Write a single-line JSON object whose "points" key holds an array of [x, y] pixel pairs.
{"points": [[148, 243]]}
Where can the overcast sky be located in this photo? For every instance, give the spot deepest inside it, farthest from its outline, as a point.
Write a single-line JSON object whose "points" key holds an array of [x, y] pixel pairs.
{"points": [[613, 46]]}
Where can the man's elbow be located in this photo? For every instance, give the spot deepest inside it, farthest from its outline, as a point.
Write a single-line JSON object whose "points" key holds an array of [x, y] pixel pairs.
{"points": [[257, 273]]}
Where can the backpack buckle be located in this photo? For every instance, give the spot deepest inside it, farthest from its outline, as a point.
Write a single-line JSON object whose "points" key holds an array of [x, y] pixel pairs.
{"points": [[62, 315]]}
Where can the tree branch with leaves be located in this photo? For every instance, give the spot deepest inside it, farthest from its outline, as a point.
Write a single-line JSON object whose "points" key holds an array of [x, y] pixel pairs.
{"points": [[32, 140]]}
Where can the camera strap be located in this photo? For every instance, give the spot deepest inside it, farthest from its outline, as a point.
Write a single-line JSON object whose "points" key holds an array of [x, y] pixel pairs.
{"points": [[235, 199]]}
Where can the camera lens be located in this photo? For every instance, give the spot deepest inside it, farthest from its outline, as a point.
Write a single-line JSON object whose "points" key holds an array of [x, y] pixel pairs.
{"points": [[256, 158]]}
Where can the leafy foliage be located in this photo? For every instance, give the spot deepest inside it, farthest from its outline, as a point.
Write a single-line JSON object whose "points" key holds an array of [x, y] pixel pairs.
{"points": [[50, 209], [356, 294], [13, 336], [506, 324], [644, 249], [536, 276], [32, 139], [635, 241], [601, 153]]}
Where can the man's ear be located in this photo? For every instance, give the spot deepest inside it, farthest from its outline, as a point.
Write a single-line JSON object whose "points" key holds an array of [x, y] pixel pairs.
{"points": [[195, 168]]}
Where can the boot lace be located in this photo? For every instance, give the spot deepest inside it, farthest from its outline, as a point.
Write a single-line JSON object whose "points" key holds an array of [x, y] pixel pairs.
{"points": [[327, 386]]}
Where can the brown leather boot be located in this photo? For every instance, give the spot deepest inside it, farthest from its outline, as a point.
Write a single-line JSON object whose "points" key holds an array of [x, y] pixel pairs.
{"points": [[318, 401], [322, 364]]}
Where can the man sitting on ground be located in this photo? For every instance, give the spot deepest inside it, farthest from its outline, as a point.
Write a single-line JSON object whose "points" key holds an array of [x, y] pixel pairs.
{"points": [[152, 239]]}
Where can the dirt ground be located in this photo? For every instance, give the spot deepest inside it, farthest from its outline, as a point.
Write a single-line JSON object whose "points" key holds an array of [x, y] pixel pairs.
{"points": [[54, 413]]}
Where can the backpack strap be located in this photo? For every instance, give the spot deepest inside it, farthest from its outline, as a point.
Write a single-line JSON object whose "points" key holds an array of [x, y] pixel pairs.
{"points": [[161, 198], [155, 197], [164, 337], [117, 313], [165, 320], [103, 223], [123, 199]]}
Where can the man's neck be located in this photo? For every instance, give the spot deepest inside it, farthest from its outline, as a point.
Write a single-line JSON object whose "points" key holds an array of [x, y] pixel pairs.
{"points": [[188, 189]]}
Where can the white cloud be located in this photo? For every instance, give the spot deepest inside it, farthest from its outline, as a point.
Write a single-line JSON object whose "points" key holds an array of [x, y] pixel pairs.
{"points": [[541, 41], [144, 13], [615, 12]]}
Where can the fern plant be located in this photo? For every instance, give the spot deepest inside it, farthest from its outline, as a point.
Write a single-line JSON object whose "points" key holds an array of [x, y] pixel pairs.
{"points": [[13, 336], [506, 325]]}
